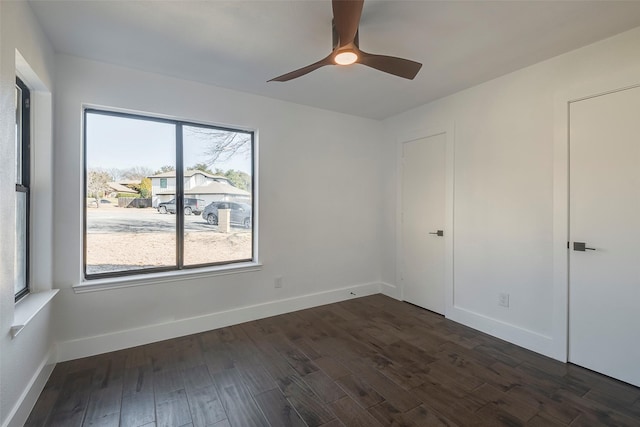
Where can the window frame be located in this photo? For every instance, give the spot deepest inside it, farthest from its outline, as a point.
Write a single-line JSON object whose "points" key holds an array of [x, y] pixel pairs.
{"points": [[179, 196], [25, 185]]}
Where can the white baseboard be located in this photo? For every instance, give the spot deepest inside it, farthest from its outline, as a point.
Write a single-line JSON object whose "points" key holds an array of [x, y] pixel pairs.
{"points": [[530, 340], [21, 410], [90, 346], [390, 290]]}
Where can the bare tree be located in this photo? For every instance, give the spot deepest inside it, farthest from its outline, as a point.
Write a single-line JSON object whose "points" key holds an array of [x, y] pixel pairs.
{"points": [[221, 145], [165, 168], [98, 184], [116, 174], [137, 173]]}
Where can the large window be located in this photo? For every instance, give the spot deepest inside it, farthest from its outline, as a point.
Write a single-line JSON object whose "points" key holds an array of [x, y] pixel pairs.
{"points": [[21, 267], [164, 195]]}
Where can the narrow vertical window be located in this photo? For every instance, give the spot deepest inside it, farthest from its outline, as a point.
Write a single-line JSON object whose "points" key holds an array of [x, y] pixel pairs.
{"points": [[22, 166]]}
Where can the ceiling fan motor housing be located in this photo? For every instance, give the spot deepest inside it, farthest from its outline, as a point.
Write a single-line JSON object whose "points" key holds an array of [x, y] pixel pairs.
{"points": [[336, 37]]}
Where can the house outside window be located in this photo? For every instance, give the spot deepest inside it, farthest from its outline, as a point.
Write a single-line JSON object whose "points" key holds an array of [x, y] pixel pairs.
{"points": [[23, 171], [177, 168]]}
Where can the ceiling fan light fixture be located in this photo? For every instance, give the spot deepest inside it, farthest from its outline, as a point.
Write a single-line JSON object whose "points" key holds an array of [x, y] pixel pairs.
{"points": [[346, 57]]}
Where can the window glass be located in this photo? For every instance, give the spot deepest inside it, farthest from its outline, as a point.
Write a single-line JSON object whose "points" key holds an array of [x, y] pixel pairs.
{"points": [[209, 155], [123, 157], [20, 265], [138, 219], [18, 101], [22, 167]]}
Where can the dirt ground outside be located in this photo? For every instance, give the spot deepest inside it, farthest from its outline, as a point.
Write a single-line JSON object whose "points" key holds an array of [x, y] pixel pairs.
{"points": [[121, 239]]}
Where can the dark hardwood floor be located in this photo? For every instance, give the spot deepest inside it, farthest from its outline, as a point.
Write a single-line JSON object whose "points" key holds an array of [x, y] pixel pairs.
{"points": [[365, 362]]}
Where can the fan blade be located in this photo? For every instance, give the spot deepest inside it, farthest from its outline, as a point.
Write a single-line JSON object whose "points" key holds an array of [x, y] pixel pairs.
{"points": [[305, 70], [346, 16], [390, 64]]}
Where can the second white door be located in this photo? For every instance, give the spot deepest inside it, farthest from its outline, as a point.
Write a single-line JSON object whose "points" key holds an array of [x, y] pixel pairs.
{"points": [[604, 262], [423, 221]]}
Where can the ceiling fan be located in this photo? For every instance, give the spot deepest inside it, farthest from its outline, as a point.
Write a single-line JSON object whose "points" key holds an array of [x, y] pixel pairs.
{"points": [[346, 19]]}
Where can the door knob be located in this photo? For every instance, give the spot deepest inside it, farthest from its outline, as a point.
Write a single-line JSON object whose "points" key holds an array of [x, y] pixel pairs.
{"points": [[438, 233], [581, 246]]}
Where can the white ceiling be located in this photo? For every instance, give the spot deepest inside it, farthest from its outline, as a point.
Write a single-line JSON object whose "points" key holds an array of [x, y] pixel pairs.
{"points": [[242, 44]]}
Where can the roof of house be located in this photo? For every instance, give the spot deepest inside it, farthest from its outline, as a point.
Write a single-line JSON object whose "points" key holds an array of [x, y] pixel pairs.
{"points": [[212, 187], [188, 173], [121, 188], [129, 181]]}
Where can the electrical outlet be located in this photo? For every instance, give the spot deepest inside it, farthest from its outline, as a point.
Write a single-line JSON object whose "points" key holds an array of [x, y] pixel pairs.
{"points": [[503, 300], [278, 282]]}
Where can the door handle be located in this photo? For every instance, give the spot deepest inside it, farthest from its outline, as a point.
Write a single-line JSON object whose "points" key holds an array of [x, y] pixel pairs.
{"points": [[581, 246], [437, 233]]}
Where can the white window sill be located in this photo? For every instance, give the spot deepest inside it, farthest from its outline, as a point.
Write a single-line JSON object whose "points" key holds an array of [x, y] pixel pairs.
{"points": [[164, 277], [27, 308]]}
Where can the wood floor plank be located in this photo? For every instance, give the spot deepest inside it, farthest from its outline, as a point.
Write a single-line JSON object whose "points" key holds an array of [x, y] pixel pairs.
{"points": [[168, 381], [138, 409], [137, 357], [189, 353], [419, 416], [137, 380], [236, 400], [542, 420], [104, 403], [324, 386], [42, 408], [173, 409], [331, 367], [486, 394], [553, 408], [595, 413], [111, 420], [205, 405], [493, 415], [385, 387], [360, 391], [366, 361], [196, 377], [72, 401], [312, 410], [448, 403], [351, 414], [278, 410], [256, 378]]}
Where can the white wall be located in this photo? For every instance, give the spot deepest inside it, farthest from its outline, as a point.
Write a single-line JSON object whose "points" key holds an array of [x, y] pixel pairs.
{"points": [[24, 360], [319, 204], [504, 191]]}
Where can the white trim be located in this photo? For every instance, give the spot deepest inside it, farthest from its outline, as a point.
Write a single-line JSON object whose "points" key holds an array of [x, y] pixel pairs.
{"points": [[23, 407], [89, 346], [522, 337], [164, 277], [28, 307], [449, 131], [603, 85], [390, 290]]}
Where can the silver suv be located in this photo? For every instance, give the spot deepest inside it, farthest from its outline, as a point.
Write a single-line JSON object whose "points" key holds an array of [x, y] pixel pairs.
{"points": [[240, 213], [191, 206]]}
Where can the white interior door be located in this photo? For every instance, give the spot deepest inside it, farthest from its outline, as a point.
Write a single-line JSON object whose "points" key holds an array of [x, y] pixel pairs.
{"points": [[423, 215], [604, 287]]}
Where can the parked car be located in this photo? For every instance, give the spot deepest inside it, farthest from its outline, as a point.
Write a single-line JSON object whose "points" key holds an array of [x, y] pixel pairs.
{"points": [[191, 206], [240, 213]]}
